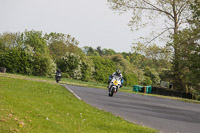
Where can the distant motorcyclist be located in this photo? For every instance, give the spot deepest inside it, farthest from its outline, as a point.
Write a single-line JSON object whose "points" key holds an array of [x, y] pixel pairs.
{"points": [[117, 73], [58, 75]]}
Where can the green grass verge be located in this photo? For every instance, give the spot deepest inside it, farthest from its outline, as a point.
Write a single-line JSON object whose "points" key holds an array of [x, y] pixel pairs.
{"points": [[67, 81], [95, 85], [32, 106]]}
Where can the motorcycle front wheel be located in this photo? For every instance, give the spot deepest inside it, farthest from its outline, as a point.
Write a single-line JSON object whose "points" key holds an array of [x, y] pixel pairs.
{"points": [[111, 92], [57, 80]]}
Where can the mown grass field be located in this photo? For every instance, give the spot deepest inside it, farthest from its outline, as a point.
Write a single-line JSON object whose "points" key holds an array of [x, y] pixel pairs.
{"points": [[33, 106]]}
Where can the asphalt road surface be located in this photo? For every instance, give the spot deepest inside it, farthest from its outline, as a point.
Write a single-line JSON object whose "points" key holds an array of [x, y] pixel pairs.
{"points": [[165, 115]]}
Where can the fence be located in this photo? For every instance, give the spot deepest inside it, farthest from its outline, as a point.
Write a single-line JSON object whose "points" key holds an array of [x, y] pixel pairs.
{"points": [[167, 92]]}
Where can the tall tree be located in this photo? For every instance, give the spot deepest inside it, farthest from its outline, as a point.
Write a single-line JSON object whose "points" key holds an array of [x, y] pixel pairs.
{"points": [[190, 39], [89, 51], [26, 53], [59, 44], [35, 40], [56, 45], [174, 14], [188, 42], [7, 41], [99, 50], [108, 52]]}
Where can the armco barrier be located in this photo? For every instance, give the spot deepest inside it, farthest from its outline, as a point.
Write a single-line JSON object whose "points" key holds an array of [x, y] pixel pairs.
{"points": [[166, 92], [161, 91]]}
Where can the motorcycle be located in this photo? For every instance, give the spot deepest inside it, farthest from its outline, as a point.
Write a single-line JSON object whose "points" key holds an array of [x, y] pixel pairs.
{"points": [[114, 85], [58, 77]]}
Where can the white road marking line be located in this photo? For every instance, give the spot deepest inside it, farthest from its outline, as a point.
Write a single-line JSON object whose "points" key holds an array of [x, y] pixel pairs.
{"points": [[72, 92]]}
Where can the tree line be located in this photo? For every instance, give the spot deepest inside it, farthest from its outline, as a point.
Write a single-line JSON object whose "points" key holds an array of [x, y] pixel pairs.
{"points": [[35, 53]]}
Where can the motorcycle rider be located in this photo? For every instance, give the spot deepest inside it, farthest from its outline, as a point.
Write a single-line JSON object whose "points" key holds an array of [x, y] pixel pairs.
{"points": [[58, 73], [117, 73]]}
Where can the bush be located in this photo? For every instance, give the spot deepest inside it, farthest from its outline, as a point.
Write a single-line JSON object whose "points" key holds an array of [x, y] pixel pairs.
{"points": [[43, 66], [130, 79], [19, 61], [16, 61], [147, 81], [103, 68], [152, 74], [85, 70], [70, 63], [65, 75]]}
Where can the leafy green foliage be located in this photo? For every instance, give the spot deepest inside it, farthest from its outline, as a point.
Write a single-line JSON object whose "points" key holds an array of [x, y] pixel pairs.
{"points": [[77, 67], [129, 70], [26, 53], [16, 61], [108, 52], [89, 51], [152, 56], [70, 63], [130, 79], [57, 49], [43, 66], [195, 7], [147, 81], [7, 41], [103, 68], [65, 75], [153, 76], [87, 68], [175, 13], [19, 61], [33, 53], [35, 40], [187, 75]]}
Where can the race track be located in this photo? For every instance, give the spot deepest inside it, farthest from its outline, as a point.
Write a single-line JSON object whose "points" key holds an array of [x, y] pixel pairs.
{"points": [[165, 115]]}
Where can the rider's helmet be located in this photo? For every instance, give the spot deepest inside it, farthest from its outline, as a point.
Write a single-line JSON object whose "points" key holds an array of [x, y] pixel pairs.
{"points": [[58, 70], [118, 71]]}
